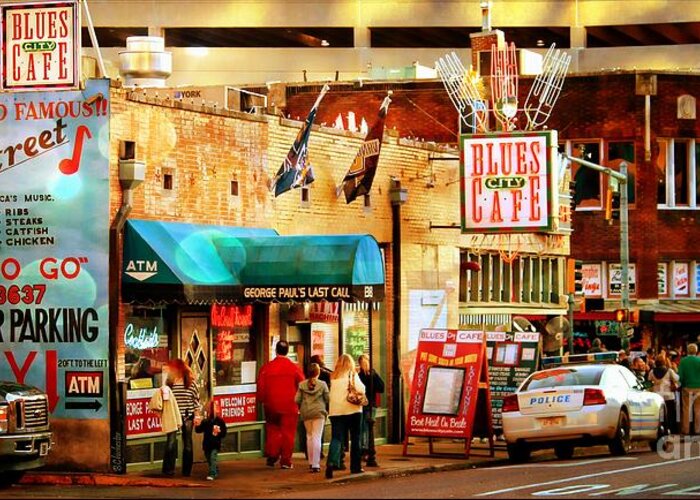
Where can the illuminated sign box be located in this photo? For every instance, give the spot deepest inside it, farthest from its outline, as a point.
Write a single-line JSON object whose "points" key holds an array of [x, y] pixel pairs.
{"points": [[506, 182], [40, 46]]}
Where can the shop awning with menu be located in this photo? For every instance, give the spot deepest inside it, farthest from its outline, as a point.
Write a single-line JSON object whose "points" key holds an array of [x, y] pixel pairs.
{"points": [[193, 263]]}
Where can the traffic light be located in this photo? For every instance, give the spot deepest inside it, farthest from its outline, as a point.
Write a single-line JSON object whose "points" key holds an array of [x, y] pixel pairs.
{"points": [[572, 194], [615, 205], [634, 316], [612, 205], [575, 276], [622, 315]]}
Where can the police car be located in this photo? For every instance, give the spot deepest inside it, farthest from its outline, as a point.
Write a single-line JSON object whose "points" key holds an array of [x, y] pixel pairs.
{"points": [[582, 401]]}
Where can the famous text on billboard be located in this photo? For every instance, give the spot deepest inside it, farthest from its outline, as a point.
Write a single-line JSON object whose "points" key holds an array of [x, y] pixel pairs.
{"points": [[54, 215]]}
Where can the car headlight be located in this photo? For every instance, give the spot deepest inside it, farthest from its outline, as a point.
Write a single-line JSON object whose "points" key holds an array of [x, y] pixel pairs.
{"points": [[4, 415]]}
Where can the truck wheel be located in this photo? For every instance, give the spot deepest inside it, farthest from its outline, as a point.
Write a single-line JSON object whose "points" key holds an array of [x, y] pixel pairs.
{"points": [[620, 444], [8, 478], [518, 452]]}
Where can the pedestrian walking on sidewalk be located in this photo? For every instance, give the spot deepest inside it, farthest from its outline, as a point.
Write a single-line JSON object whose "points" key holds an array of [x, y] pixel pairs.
{"points": [[374, 387], [277, 387], [345, 415], [181, 381], [325, 375], [665, 383], [689, 373], [214, 429], [164, 404], [313, 398]]}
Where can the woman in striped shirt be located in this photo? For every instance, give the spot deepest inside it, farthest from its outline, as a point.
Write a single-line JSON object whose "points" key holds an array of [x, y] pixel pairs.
{"points": [[181, 381]]}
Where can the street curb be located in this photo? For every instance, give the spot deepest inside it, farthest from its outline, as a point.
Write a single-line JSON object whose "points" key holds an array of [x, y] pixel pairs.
{"points": [[419, 469], [102, 479], [92, 479]]}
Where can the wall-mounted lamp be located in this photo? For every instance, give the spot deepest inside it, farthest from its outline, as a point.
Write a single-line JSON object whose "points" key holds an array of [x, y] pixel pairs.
{"points": [[397, 194]]}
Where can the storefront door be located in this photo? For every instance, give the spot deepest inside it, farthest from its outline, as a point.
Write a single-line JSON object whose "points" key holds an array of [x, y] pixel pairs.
{"points": [[299, 338], [195, 352]]}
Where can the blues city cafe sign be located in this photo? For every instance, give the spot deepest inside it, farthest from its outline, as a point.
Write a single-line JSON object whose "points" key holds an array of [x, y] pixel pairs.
{"points": [[507, 182], [40, 46]]}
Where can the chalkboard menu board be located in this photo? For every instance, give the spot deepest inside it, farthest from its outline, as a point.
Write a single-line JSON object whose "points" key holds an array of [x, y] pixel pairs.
{"points": [[512, 357]]}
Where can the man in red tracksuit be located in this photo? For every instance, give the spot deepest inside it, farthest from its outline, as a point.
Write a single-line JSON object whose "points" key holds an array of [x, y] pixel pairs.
{"points": [[277, 386]]}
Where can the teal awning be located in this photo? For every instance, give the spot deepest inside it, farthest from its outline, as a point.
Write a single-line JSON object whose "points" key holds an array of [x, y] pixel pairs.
{"points": [[168, 261]]}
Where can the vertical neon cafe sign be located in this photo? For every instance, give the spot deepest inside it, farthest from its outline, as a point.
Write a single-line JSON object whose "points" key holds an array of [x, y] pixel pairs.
{"points": [[506, 182], [54, 213]]}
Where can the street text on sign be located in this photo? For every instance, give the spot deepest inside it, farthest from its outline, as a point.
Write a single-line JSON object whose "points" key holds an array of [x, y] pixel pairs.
{"points": [[84, 384]]}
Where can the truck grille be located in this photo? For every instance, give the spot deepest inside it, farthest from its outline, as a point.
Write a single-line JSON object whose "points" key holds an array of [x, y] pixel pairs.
{"points": [[36, 412]]}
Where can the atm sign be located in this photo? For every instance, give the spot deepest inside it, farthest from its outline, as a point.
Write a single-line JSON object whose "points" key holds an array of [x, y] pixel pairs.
{"points": [[84, 384]]}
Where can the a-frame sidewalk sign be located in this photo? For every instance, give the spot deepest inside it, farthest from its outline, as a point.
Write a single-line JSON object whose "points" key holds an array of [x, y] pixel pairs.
{"points": [[450, 393]]}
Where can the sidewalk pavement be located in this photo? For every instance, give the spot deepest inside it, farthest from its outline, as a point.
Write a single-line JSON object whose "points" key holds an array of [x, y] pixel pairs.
{"points": [[252, 478]]}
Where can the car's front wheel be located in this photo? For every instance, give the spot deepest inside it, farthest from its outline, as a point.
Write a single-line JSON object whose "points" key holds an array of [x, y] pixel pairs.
{"points": [[620, 444], [518, 452]]}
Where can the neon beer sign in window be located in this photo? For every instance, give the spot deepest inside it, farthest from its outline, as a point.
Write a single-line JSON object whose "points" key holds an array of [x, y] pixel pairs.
{"points": [[231, 316], [506, 182]]}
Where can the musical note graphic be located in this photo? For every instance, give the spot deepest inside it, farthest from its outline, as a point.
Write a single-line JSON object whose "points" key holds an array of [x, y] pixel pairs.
{"points": [[69, 166]]}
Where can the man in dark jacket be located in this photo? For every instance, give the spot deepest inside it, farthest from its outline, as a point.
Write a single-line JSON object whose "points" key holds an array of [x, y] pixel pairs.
{"points": [[277, 387], [374, 386]]}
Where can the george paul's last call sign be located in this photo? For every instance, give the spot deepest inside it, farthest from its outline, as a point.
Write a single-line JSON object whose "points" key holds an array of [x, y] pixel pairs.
{"points": [[507, 182]]}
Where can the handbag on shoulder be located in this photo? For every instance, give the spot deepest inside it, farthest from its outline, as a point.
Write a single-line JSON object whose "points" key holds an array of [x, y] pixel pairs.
{"points": [[354, 396]]}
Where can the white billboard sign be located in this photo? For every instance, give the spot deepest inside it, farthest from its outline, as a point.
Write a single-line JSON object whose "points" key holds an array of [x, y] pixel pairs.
{"points": [[40, 46], [507, 182]]}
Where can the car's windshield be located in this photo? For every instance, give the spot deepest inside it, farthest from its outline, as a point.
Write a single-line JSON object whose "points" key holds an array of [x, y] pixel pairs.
{"points": [[557, 377]]}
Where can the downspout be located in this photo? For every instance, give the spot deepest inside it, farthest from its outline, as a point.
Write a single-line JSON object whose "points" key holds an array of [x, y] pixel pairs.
{"points": [[398, 197], [131, 174]]}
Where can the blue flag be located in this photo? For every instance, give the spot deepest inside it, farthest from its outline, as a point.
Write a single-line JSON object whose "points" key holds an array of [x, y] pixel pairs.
{"points": [[296, 170]]}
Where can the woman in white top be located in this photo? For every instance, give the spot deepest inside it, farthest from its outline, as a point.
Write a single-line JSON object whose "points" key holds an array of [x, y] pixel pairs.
{"points": [[344, 416], [665, 382]]}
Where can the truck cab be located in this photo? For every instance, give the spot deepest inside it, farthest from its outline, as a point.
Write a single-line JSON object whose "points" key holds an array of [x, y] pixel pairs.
{"points": [[25, 435]]}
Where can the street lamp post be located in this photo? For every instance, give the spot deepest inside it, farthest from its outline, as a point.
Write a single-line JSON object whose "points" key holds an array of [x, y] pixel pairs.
{"points": [[621, 177]]}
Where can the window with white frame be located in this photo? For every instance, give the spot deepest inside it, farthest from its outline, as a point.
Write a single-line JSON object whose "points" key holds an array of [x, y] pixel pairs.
{"points": [[677, 173]]}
